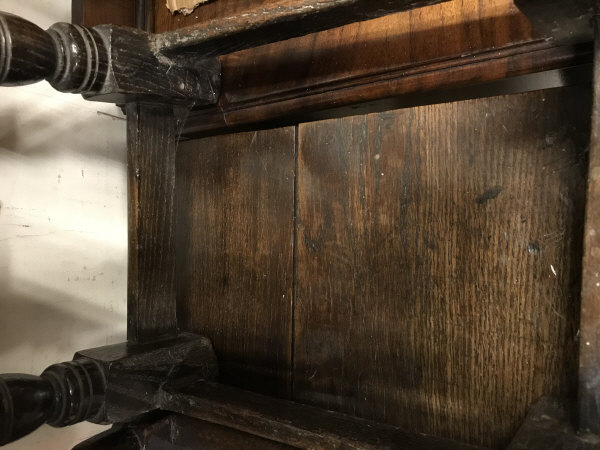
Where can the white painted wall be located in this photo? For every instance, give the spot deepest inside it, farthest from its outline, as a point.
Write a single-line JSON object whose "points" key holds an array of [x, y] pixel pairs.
{"points": [[63, 227]]}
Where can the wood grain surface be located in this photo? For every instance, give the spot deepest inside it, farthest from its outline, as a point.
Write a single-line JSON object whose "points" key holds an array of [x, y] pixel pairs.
{"points": [[235, 203], [438, 262], [98, 12], [456, 29], [152, 141], [276, 22]]}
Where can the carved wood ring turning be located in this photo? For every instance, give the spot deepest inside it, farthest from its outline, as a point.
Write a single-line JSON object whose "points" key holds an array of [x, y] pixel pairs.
{"points": [[99, 384]]}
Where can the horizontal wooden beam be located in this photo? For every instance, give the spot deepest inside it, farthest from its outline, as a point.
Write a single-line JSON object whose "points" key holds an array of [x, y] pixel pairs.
{"points": [[290, 423], [398, 86], [276, 22]]}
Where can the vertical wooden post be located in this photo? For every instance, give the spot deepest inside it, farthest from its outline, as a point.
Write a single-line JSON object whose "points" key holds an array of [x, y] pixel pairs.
{"points": [[152, 141], [589, 355]]}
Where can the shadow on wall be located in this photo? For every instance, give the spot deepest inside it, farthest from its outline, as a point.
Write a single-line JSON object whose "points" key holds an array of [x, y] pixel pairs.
{"points": [[43, 13], [31, 322], [62, 227], [31, 133], [40, 323], [8, 131]]}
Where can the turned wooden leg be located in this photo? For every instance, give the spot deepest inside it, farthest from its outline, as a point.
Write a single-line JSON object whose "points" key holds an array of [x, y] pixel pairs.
{"points": [[112, 384], [72, 58], [64, 394]]}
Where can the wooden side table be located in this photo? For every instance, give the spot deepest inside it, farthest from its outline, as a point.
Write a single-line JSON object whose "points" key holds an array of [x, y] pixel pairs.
{"points": [[352, 224]]}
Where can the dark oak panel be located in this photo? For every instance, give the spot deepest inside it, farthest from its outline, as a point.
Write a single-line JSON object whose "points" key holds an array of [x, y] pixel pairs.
{"points": [[439, 262], [235, 203]]}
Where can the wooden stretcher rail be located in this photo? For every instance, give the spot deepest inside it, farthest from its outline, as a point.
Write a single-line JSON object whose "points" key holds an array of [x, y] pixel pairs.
{"points": [[290, 423]]}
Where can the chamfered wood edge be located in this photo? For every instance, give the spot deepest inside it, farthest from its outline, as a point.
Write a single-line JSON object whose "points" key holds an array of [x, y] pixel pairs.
{"points": [[397, 87], [589, 350], [145, 15]]}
